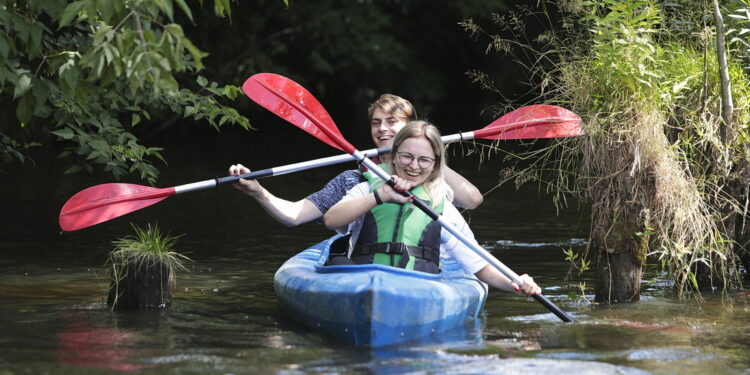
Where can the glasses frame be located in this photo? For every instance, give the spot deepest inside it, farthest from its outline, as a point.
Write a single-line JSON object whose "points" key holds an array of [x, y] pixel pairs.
{"points": [[420, 160]]}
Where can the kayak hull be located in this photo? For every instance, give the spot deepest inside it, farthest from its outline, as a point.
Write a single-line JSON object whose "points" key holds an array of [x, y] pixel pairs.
{"points": [[375, 305]]}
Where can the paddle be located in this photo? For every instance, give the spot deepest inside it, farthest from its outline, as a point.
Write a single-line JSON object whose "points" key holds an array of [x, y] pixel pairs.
{"points": [[104, 202], [292, 102]]}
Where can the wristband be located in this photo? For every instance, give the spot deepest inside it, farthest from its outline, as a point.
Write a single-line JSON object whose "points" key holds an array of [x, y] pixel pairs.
{"points": [[377, 197]]}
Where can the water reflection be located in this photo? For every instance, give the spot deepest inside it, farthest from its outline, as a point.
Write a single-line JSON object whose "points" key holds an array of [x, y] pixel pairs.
{"points": [[225, 318], [85, 345]]}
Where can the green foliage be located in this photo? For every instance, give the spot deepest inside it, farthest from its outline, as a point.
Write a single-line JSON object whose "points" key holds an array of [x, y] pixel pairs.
{"points": [[95, 70], [147, 246], [651, 90], [738, 30], [622, 49], [9, 149], [643, 75], [580, 265]]}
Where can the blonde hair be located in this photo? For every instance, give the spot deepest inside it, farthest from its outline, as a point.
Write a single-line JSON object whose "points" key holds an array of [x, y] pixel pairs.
{"points": [[393, 105], [435, 184]]}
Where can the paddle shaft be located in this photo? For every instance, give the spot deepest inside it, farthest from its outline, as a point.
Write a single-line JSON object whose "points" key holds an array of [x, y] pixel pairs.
{"points": [[302, 166], [463, 238]]}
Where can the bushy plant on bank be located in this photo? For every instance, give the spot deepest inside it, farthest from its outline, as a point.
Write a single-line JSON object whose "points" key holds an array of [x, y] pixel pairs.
{"points": [[666, 179]]}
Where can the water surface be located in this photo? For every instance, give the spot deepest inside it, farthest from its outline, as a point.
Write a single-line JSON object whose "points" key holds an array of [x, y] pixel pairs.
{"points": [[225, 319]]}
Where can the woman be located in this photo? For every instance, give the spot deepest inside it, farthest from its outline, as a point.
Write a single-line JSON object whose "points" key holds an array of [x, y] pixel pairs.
{"points": [[388, 114], [386, 229]]}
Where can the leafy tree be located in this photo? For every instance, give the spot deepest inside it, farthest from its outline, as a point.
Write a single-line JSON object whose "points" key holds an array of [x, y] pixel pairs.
{"points": [[349, 52], [90, 72]]}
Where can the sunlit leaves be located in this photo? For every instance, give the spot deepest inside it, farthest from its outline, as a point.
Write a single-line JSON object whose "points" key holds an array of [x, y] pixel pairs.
{"points": [[739, 31], [71, 12], [92, 69]]}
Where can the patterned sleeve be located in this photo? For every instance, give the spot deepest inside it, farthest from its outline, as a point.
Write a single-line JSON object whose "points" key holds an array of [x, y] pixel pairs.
{"points": [[335, 189]]}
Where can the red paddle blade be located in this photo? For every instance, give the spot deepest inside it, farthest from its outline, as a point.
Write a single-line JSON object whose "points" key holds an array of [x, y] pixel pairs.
{"points": [[534, 121], [292, 102], [104, 202]]}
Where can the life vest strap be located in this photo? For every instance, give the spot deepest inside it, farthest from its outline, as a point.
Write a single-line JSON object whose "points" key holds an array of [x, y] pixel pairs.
{"points": [[398, 248]]}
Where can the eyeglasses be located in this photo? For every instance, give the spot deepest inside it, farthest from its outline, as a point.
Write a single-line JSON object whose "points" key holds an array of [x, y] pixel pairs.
{"points": [[423, 162]]}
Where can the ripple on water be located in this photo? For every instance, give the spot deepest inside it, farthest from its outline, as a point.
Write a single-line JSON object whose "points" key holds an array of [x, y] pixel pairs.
{"points": [[670, 355], [509, 244], [525, 366]]}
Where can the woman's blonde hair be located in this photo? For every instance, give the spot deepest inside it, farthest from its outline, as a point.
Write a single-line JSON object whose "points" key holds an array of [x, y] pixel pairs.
{"points": [[393, 105], [435, 184]]}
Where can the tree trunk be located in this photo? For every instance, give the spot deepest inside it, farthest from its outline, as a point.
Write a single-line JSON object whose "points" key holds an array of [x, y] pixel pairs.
{"points": [[619, 264], [727, 106], [142, 287]]}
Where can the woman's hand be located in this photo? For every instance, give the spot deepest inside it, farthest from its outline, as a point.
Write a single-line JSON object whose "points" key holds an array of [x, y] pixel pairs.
{"points": [[393, 195], [527, 287], [249, 187]]}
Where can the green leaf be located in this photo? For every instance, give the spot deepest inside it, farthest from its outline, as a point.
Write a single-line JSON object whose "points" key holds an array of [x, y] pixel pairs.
{"points": [[41, 93], [22, 86], [107, 9], [189, 111], [166, 7], [70, 12], [4, 45], [66, 133], [185, 8], [202, 81], [197, 54], [34, 43], [100, 145], [25, 109], [73, 169]]}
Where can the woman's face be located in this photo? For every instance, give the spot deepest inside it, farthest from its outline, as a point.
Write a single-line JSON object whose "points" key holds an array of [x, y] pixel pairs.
{"points": [[384, 126], [415, 160]]}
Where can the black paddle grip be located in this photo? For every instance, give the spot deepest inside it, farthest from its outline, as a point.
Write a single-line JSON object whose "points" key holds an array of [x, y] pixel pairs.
{"points": [[247, 176], [565, 317]]}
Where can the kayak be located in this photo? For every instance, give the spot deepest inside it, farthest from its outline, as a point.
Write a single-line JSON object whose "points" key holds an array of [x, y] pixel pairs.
{"points": [[376, 305]]}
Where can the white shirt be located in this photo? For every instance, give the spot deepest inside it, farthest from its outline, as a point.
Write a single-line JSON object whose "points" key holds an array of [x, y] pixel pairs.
{"points": [[450, 246]]}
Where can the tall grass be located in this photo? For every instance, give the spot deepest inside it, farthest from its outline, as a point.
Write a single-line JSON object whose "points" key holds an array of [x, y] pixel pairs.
{"points": [[643, 75]]}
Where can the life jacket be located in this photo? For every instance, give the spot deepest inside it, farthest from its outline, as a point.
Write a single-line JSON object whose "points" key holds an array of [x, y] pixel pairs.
{"points": [[399, 235]]}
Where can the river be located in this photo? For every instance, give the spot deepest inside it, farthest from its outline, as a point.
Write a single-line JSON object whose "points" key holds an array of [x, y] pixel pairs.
{"points": [[225, 319]]}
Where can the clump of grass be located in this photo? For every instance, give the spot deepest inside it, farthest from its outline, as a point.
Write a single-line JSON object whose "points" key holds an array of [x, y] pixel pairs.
{"points": [[144, 269]]}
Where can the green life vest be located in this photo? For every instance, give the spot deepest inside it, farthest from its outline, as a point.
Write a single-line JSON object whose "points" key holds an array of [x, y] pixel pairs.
{"points": [[399, 235]]}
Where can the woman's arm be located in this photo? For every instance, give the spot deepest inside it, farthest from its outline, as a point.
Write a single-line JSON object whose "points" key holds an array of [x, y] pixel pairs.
{"points": [[285, 212], [465, 194], [348, 210], [472, 262], [495, 279]]}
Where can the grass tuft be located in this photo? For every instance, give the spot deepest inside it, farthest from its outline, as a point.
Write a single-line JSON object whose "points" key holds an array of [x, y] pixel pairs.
{"points": [[142, 251]]}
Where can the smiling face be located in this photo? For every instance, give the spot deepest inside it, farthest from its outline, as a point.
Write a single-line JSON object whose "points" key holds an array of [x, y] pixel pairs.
{"points": [[384, 126], [416, 151]]}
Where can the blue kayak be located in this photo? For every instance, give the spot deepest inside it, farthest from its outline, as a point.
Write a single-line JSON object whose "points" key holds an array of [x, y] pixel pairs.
{"points": [[376, 305]]}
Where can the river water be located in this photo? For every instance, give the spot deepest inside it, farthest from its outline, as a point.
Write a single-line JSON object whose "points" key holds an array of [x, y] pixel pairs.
{"points": [[225, 319]]}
